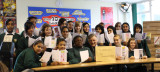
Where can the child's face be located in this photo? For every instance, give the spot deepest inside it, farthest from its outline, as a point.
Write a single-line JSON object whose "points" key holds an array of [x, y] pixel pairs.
{"points": [[61, 45], [30, 31], [138, 30], [78, 28], [132, 44], [86, 28], [48, 31], [79, 42], [110, 30], [118, 27], [70, 25], [65, 33], [64, 24], [10, 26], [38, 48], [125, 28], [117, 41], [98, 30]]}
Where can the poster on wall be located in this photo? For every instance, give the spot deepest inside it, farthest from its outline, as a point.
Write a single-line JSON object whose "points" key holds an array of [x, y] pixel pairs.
{"points": [[52, 15], [107, 16], [9, 8]]}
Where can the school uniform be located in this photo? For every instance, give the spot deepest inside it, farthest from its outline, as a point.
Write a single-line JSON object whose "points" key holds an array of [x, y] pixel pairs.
{"points": [[23, 43], [27, 59], [74, 57], [68, 42]]}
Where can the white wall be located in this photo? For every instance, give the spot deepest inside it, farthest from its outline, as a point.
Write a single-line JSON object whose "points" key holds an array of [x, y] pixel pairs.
{"points": [[94, 6]]}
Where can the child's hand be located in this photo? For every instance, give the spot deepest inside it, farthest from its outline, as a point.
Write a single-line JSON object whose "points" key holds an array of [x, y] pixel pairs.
{"points": [[89, 59], [63, 63], [144, 57], [110, 44], [138, 41], [55, 63], [101, 44], [14, 54], [43, 64], [119, 58], [132, 57]]}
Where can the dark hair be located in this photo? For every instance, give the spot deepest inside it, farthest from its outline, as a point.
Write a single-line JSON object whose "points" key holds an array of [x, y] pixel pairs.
{"points": [[60, 40], [64, 28], [101, 23], [31, 17], [45, 25], [8, 20], [69, 21], [126, 24], [116, 25], [28, 25], [61, 20], [101, 27], [128, 44], [85, 23], [37, 42], [114, 31], [74, 39], [137, 25]]}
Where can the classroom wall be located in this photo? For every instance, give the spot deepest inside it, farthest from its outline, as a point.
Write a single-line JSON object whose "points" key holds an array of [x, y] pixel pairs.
{"points": [[94, 6]]}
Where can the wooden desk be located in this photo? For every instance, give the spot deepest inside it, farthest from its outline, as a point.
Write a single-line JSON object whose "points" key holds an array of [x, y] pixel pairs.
{"points": [[116, 62]]}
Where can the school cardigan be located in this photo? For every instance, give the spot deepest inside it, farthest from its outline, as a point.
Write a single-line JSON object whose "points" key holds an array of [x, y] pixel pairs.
{"points": [[74, 57], [23, 44], [27, 59]]}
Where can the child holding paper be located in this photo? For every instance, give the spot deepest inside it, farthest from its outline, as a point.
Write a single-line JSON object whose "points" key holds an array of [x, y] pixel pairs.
{"points": [[125, 29], [121, 51], [79, 53], [61, 46], [67, 37], [101, 36], [142, 43], [134, 67], [23, 42], [29, 58], [7, 54]]}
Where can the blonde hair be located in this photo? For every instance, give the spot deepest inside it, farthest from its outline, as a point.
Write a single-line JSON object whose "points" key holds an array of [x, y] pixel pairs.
{"points": [[78, 23]]}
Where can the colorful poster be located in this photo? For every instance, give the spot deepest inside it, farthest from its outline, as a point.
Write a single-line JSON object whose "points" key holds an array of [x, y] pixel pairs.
{"points": [[52, 15], [107, 16]]}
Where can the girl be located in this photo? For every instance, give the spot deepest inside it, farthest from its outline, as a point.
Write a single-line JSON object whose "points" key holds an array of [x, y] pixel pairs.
{"points": [[125, 29], [65, 35], [101, 35], [74, 56], [111, 33], [60, 45], [118, 26], [23, 42], [29, 58], [77, 29], [134, 67], [138, 29], [86, 33]]}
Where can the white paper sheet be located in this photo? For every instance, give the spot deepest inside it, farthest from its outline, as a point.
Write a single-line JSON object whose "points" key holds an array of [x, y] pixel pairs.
{"points": [[46, 56], [156, 40], [8, 38], [118, 51], [59, 55], [122, 52], [126, 36], [110, 37], [138, 36], [84, 55], [101, 38], [49, 42], [69, 42], [36, 32], [138, 53], [32, 40]]}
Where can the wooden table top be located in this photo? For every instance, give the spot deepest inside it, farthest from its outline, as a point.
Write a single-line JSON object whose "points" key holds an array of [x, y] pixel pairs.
{"points": [[127, 61]]}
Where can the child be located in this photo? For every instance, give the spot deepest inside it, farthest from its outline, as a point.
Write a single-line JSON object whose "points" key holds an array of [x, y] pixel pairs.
{"points": [[118, 26], [121, 51], [101, 35], [70, 27], [61, 45], [138, 29], [86, 33], [23, 42], [74, 56], [111, 29], [134, 67], [29, 58], [6, 59], [125, 29], [77, 29], [65, 35]]}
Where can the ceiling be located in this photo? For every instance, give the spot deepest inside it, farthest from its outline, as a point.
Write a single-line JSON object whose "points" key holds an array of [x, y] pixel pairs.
{"points": [[119, 1]]}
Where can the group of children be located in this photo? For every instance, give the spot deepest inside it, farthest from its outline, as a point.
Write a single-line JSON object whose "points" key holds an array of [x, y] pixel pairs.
{"points": [[71, 36]]}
